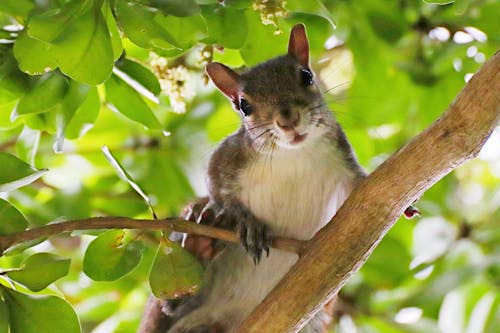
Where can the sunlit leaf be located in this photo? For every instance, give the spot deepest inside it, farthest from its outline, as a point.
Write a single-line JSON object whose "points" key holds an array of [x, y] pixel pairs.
{"points": [[116, 40], [84, 51], [229, 57], [26, 46], [123, 174], [50, 24], [128, 102], [11, 220], [81, 43], [73, 99], [39, 314], [16, 7], [39, 270], [84, 117], [175, 272], [226, 26], [49, 91], [187, 30], [261, 44], [111, 256], [138, 23], [16, 173], [141, 74]]}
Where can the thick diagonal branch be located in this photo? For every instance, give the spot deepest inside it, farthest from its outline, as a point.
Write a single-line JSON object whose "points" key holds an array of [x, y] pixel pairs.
{"points": [[340, 249]]}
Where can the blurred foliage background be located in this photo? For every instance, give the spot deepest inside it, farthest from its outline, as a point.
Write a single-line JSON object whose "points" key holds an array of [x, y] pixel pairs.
{"points": [[78, 75]]}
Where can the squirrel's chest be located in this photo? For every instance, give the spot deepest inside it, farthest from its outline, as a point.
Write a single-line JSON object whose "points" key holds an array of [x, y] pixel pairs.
{"points": [[297, 191]]}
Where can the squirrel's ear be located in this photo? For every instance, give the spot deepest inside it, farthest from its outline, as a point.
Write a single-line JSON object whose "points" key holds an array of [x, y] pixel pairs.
{"points": [[298, 45], [225, 79]]}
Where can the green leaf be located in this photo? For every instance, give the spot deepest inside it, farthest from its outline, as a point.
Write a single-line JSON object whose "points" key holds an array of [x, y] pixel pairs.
{"points": [[27, 144], [110, 256], [13, 82], [74, 98], [84, 51], [39, 270], [81, 42], [21, 247], [262, 44], [227, 26], [16, 173], [40, 314], [389, 29], [16, 7], [49, 25], [46, 94], [141, 74], [176, 7], [228, 57], [388, 264], [128, 102], [85, 116], [186, 31], [116, 40], [123, 174], [27, 46], [11, 220], [140, 26], [175, 272], [4, 317], [5, 120]]}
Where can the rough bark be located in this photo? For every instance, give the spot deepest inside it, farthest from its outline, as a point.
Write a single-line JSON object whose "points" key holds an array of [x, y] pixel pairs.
{"points": [[342, 247]]}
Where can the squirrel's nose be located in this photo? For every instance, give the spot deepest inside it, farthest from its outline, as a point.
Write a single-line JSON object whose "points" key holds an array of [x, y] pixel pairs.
{"points": [[287, 119]]}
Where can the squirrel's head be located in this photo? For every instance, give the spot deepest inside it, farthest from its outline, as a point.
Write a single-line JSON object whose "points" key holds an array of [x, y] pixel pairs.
{"points": [[279, 101]]}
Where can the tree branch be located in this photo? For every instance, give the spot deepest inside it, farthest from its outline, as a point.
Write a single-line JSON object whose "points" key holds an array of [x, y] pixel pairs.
{"points": [[341, 248], [173, 224]]}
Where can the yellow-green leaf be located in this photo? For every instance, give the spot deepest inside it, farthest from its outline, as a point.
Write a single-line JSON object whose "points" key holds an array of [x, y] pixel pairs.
{"points": [[16, 173], [39, 314], [175, 272], [11, 220], [111, 256], [39, 270]]}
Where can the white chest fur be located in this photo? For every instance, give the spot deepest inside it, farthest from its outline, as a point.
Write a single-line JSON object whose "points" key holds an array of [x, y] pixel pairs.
{"points": [[297, 191]]}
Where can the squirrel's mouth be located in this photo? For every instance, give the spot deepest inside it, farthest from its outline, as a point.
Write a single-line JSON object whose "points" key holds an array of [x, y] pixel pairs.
{"points": [[298, 138]]}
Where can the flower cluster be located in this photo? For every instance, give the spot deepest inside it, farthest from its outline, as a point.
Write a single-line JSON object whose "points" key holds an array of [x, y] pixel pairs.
{"points": [[174, 82], [270, 12]]}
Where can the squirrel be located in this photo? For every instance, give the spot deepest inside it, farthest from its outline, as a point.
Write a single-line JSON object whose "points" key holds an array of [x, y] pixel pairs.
{"points": [[285, 172]]}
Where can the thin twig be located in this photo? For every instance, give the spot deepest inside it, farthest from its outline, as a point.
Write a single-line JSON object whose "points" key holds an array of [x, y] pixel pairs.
{"points": [[173, 224]]}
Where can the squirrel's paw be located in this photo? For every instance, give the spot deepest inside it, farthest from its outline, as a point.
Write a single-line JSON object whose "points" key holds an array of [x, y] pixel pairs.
{"points": [[255, 238]]}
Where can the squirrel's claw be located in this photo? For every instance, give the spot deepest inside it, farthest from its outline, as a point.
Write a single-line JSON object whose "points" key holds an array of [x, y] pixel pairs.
{"points": [[254, 237]]}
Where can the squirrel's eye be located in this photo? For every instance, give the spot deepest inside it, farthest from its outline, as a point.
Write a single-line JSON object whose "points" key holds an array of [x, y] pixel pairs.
{"points": [[245, 107], [307, 77]]}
